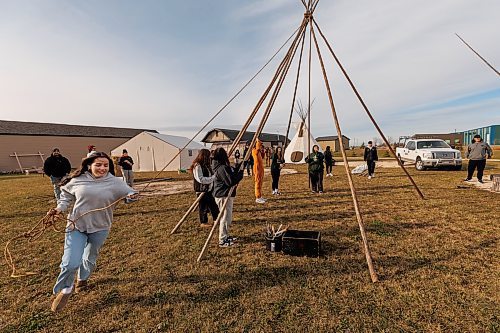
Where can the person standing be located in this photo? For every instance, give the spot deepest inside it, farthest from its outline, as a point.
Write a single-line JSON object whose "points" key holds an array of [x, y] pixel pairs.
{"points": [[315, 161], [248, 165], [276, 166], [56, 167], [268, 156], [258, 154], [477, 152], [328, 161], [370, 156], [237, 156], [90, 188], [203, 184], [225, 178], [126, 162]]}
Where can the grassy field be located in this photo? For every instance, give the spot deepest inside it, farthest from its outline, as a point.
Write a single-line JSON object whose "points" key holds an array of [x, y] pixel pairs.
{"points": [[438, 262]]}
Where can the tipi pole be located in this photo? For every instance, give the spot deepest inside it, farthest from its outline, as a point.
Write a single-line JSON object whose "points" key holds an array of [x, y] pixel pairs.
{"points": [[484, 60], [237, 140], [368, 257], [189, 211], [309, 96], [421, 195], [288, 59], [294, 94]]}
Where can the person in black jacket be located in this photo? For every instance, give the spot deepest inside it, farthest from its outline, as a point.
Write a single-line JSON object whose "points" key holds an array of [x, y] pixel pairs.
{"points": [[315, 161], [56, 167], [126, 162], [277, 163], [203, 183], [248, 165], [225, 178], [328, 161], [370, 157]]}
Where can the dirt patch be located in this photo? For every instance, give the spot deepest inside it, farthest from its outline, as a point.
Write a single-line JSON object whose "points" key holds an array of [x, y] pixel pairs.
{"points": [[184, 186], [486, 186]]}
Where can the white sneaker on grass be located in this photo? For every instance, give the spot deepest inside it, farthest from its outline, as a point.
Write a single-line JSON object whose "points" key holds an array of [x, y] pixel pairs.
{"points": [[260, 200]]}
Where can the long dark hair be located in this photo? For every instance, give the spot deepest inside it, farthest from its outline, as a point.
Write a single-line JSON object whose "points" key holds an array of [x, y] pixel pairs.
{"points": [[280, 154], [220, 156], [84, 167], [203, 159]]}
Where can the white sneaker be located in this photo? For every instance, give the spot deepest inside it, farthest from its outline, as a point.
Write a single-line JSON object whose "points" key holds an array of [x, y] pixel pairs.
{"points": [[373, 175], [331, 175], [260, 200], [369, 177]]}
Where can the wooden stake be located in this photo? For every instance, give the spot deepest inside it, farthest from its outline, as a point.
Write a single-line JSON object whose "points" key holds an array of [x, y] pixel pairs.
{"points": [[368, 257]]}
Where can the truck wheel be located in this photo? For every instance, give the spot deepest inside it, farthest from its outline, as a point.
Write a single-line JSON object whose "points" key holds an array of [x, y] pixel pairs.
{"points": [[419, 165], [400, 159]]}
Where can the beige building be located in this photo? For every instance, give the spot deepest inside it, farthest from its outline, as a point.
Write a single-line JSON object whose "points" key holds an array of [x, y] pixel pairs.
{"points": [[333, 142], [153, 151], [25, 145], [220, 137]]}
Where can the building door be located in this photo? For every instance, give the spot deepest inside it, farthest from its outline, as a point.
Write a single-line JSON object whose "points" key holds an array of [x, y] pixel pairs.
{"points": [[145, 157]]}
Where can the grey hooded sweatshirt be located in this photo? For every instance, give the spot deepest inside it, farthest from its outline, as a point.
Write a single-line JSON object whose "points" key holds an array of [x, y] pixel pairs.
{"points": [[88, 193], [478, 151]]}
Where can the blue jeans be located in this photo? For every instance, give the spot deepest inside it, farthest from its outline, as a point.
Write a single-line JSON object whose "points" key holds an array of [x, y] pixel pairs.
{"points": [[55, 182], [80, 254]]}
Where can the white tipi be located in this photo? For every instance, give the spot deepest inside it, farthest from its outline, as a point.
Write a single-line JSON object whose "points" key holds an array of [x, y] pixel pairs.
{"points": [[296, 151]]}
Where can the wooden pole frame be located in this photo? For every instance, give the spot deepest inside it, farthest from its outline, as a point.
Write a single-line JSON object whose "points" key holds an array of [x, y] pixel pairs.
{"points": [[277, 82]]}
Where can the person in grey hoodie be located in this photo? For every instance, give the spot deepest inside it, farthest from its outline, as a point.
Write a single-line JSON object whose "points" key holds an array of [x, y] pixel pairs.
{"points": [[90, 188], [477, 152], [225, 178]]}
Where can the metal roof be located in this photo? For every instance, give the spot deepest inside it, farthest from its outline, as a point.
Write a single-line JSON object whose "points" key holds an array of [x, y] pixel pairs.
{"points": [[50, 129], [177, 141], [247, 137]]}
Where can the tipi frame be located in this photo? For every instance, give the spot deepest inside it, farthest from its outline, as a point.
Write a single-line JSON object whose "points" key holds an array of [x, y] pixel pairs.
{"points": [[308, 24]]}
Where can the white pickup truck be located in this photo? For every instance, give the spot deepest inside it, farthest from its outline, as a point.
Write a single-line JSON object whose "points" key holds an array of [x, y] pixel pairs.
{"points": [[429, 153]]}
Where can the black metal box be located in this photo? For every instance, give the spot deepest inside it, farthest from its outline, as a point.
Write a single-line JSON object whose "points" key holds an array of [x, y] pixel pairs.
{"points": [[302, 243]]}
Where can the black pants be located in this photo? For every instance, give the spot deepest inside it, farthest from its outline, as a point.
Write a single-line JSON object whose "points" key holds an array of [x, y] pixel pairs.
{"points": [[480, 164], [249, 167], [328, 168], [371, 167], [207, 204], [316, 181], [275, 174]]}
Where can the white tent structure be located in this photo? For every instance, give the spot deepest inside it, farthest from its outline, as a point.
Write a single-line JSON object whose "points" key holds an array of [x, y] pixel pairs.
{"points": [[297, 150], [152, 151]]}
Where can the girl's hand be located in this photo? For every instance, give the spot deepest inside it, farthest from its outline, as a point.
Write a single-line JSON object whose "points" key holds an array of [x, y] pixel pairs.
{"points": [[134, 196], [54, 211]]}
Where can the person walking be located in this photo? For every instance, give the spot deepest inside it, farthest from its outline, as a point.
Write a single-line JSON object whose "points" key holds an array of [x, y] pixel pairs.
{"points": [[203, 184], [268, 156], [56, 167], [477, 152], [225, 178], [315, 161], [277, 164], [328, 161], [90, 188], [126, 162], [258, 153], [370, 156]]}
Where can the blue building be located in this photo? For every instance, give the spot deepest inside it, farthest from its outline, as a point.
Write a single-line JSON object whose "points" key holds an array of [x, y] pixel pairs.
{"points": [[490, 134]]}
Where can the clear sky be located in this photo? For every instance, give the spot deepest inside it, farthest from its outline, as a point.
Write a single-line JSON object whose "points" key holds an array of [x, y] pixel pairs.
{"points": [[170, 65]]}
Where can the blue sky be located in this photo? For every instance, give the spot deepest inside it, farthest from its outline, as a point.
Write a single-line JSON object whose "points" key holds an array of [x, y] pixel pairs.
{"points": [[170, 65]]}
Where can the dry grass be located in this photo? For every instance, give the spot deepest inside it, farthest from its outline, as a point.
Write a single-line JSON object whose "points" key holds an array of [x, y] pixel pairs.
{"points": [[438, 261]]}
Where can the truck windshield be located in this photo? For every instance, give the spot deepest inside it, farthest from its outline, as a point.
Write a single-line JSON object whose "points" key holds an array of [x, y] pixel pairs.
{"points": [[432, 144]]}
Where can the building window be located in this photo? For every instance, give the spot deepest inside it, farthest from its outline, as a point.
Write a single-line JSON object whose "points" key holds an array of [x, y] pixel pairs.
{"points": [[190, 152]]}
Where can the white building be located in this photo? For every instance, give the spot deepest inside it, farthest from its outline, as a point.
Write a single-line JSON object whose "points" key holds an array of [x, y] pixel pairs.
{"points": [[152, 151]]}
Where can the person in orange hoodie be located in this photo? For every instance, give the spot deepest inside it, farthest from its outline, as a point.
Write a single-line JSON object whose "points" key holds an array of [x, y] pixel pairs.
{"points": [[258, 154]]}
